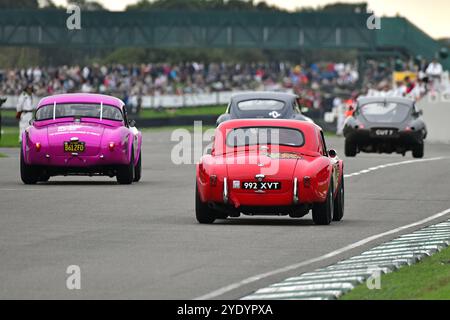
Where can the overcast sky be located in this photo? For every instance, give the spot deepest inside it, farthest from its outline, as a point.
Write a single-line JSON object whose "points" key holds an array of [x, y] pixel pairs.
{"points": [[432, 16]]}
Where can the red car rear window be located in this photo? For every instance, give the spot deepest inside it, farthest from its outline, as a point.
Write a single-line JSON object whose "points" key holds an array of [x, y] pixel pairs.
{"points": [[248, 136]]}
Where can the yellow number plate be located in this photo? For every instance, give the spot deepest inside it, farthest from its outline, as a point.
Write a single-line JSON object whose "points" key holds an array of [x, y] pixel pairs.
{"points": [[74, 146]]}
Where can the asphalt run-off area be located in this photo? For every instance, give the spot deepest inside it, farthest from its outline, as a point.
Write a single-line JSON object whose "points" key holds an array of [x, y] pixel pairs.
{"points": [[143, 241]]}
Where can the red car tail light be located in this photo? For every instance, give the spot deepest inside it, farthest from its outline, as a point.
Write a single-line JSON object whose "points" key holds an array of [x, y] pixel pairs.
{"points": [[38, 146], [307, 182], [111, 146], [213, 180]]}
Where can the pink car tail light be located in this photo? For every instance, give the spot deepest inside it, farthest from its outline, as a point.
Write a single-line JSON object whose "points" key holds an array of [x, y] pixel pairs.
{"points": [[38, 146], [111, 146]]}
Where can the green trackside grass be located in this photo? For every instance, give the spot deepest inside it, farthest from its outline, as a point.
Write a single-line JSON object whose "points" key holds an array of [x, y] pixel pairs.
{"points": [[204, 128], [3, 155], [214, 110], [187, 111], [426, 280], [8, 113], [171, 128], [10, 137]]}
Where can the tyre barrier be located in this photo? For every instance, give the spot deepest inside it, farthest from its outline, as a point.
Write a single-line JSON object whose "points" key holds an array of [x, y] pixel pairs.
{"points": [[332, 282]]}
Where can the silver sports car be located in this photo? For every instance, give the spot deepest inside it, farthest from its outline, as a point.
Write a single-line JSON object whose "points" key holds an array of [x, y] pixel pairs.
{"points": [[271, 105], [385, 125]]}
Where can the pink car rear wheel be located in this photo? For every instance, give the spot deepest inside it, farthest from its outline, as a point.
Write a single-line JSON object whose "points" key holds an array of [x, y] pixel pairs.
{"points": [[29, 174], [125, 173], [138, 169]]}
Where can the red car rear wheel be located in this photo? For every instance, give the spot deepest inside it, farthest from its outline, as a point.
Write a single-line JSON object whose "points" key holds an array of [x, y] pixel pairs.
{"points": [[323, 212], [338, 212], [203, 213]]}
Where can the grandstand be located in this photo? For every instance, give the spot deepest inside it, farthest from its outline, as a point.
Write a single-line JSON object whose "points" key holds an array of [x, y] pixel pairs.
{"points": [[219, 29]]}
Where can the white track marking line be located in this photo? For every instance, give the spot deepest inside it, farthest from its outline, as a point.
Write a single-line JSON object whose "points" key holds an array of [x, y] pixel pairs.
{"points": [[388, 165], [236, 285], [37, 189]]}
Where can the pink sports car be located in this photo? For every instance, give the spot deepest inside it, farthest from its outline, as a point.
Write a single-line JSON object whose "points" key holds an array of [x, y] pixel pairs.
{"points": [[81, 134]]}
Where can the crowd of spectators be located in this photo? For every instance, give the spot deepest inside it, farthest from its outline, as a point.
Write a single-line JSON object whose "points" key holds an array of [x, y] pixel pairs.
{"points": [[317, 84], [159, 79], [415, 79]]}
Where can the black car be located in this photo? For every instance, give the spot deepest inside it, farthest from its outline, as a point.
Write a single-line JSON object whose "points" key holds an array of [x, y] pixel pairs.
{"points": [[385, 125], [272, 105]]}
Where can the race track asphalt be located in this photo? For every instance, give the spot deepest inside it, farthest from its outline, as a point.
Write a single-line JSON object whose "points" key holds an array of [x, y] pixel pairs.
{"points": [[143, 242]]}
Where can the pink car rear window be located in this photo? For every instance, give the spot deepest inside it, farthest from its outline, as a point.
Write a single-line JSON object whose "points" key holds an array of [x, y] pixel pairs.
{"points": [[79, 110]]}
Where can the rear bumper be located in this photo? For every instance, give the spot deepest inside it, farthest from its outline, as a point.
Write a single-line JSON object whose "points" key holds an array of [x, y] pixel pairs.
{"points": [[105, 170], [42, 158], [290, 198], [406, 139], [295, 211], [261, 199]]}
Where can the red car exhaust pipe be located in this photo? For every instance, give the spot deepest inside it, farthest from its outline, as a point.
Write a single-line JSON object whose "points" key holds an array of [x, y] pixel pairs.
{"points": [[225, 190], [295, 190]]}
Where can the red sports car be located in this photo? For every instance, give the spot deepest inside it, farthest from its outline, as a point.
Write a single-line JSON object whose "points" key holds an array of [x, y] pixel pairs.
{"points": [[269, 167]]}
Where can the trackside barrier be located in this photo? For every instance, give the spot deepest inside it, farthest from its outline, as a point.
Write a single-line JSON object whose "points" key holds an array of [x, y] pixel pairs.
{"points": [[436, 113], [165, 101]]}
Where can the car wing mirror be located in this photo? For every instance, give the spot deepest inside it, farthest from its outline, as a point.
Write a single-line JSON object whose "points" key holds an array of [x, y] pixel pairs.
{"points": [[31, 122], [304, 110], [418, 113], [332, 153]]}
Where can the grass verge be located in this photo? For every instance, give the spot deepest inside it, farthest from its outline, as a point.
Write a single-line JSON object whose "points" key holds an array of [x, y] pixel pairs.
{"points": [[214, 110], [8, 113], [10, 137], [426, 280], [188, 111], [171, 128]]}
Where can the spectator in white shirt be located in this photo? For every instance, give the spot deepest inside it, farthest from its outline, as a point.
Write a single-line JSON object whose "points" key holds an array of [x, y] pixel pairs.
{"points": [[25, 107], [434, 69], [434, 72]]}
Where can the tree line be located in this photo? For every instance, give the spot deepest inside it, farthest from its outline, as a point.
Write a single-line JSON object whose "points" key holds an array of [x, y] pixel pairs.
{"points": [[190, 5], [27, 56]]}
